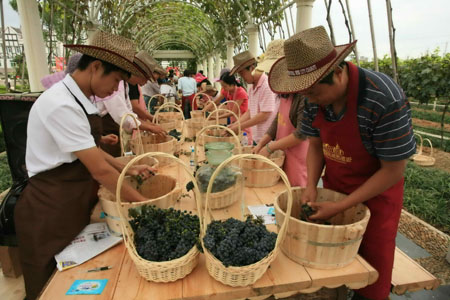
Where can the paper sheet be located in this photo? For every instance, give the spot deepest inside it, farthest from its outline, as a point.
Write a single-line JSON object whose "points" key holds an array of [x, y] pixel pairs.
{"points": [[266, 212]]}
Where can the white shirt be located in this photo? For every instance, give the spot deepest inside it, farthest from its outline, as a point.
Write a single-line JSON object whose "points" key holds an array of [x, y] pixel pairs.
{"points": [[188, 85], [262, 99], [57, 127], [150, 88], [117, 107]]}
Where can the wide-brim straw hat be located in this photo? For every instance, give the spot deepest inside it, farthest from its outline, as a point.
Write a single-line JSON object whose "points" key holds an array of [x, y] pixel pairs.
{"points": [[242, 61], [146, 62], [111, 48], [309, 57], [274, 51]]}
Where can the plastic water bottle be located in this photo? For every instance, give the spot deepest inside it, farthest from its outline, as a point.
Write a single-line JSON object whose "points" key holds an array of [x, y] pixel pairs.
{"points": [[244, 141], [192, 159]]}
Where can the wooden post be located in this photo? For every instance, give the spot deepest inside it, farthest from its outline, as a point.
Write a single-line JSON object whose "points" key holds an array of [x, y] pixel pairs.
{"points": [[330, 24], [372, 34], [391, 41], [353, 32]]}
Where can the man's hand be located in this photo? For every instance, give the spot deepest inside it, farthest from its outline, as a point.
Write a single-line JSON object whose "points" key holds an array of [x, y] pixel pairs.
{"points": [[324, 210], [156, 129], [144, 171], [309, 195], [110, 139]]}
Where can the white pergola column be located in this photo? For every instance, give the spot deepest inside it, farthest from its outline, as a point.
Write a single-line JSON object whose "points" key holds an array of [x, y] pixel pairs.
{"points": [[211, 67], [252, 31], [205, 67], [230, 54], [304, 12], [218, 66], [33, 41]]}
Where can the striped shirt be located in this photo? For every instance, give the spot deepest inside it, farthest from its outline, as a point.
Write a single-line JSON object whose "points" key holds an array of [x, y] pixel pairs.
{"points": [[384, 117], [262, 99]]}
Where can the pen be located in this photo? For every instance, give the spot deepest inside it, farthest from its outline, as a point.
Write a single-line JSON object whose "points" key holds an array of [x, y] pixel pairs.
{"points": [[100, 269]]}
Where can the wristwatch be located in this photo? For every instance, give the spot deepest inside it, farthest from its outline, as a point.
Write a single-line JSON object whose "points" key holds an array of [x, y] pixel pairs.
{"points": [[268, 149]]}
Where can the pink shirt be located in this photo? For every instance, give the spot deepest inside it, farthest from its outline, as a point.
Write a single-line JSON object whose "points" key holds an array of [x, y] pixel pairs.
{"points": [[262, 99]]}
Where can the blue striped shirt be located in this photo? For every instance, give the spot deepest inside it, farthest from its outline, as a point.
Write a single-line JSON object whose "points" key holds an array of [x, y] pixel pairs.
{"points": [[384, 117]]}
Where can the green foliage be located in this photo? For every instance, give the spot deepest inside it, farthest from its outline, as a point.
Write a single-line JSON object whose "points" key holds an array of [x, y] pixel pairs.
{"points": [[5, 174], [427, 195], [163, 234], [429, 115], [238, 243]]}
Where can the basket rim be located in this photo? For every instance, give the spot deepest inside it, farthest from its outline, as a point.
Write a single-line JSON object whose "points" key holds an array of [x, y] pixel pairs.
{"points": [[291, 218]]}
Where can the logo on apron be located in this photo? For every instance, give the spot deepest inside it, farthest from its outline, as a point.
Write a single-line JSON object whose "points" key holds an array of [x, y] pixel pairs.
{"points": [[335, 153]]}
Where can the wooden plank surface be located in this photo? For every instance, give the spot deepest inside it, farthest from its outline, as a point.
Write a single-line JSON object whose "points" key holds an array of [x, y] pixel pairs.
{"points": [[409, 276]]}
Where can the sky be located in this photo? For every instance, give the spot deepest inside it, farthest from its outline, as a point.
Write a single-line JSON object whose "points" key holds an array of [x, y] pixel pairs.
{"points": [[421, 25]]}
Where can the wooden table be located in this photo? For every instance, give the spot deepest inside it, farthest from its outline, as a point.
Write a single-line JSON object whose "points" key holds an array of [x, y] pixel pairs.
{"points": [[283, 275]]}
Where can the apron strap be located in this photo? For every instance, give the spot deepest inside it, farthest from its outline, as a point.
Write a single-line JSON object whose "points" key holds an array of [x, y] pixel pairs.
{"points": [[76, 99]]}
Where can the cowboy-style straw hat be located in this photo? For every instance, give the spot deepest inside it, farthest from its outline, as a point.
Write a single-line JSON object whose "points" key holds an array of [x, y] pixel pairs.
{"points": [[242, 61], [274, 51], [310, 56], [147, 63], [110, 48]]}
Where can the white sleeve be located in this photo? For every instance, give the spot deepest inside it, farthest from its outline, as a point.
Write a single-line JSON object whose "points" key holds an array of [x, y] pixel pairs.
{"points": [[69, 128], [117, 108]]}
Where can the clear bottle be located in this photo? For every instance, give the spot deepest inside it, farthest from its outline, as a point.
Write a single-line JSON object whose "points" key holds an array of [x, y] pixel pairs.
{"points": [[244, 141], [192, 159]]}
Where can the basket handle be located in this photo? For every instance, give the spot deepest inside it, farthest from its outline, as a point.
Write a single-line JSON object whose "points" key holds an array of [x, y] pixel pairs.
{"points": [[167, 105], [235, 104], [215, 127], [228, 111], [195, 100], [154, 96], [431, 146], [419, 151], [121, 133], [197, 195], [283, 229]]}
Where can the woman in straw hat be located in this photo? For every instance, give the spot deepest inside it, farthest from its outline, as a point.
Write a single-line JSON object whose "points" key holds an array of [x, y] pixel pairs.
{"points": [[286, 128], [359, 126], [263, 103], [63, 162]]}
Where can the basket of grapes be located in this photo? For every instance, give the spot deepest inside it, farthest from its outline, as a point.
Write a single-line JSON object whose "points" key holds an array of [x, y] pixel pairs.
{"points": [[238, 251], [163, 243]]}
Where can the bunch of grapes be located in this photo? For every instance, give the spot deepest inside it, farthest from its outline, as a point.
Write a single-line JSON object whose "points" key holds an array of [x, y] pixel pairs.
{"points": [[163, 234], [239, 243]]}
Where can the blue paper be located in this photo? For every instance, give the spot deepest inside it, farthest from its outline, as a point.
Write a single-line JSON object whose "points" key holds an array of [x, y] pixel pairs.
{"points": [[87, 287], [271, 211]]}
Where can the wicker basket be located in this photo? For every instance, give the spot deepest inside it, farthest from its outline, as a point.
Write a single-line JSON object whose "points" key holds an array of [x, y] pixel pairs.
{"points": [[246, 275], [200, 114], [215, 134], [422, 159], [322, 246], [161, 190], [171, 119], [224, 105], [258, 173], [154, 143], [125, 137], [156, 96], [193, 126], [166, 271]]}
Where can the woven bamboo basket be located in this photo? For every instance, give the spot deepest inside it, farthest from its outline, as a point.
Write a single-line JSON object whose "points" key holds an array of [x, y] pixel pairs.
{"points": [[199, 114], [156, 96], [193, 126], [161, 190], [422, 159], [215, 134], [322, 246], [166, 271], [232, 194], [154, 143], [224, 105], [245, 275], [215, 114], [171, 119], [258, 173], [125, 137]]}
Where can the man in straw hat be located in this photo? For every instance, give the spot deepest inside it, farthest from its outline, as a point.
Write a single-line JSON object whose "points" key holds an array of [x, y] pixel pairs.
{"points": [[114, 108], [263, 103], [359, 125], [285, 131], [63, 161]]}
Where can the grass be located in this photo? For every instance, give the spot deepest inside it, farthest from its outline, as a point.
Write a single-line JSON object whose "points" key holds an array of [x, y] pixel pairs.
{"points": [[5, 174], [427, 195]]}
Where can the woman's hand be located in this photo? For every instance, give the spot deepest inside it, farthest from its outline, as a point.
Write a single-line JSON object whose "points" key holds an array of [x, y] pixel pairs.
{"points": [[264, 152], [324, 210], [309, 195], [144, 171], [156, 129], [110, 139], [257, 148]]}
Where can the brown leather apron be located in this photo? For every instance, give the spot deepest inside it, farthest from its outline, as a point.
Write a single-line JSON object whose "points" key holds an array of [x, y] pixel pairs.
{"points": [[111, 127], [54, 207]]}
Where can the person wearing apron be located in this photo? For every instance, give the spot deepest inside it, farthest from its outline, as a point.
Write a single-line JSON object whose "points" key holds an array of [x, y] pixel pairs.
{"points": [[359, 126], [63, 161]]}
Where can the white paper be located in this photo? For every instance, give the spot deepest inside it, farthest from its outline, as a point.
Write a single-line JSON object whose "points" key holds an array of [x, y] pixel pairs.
{"points": [[263, 211], [91, 241]]}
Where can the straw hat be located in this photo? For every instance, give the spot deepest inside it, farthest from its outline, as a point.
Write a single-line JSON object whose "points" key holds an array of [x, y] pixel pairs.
{"points": [[274, 51], [310, 56], [242, 61], [147, 63], [111, 48]]}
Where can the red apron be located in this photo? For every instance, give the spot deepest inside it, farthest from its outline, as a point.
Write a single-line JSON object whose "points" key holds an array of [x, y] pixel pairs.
{"points": [[348, 166], [295, 161]]}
